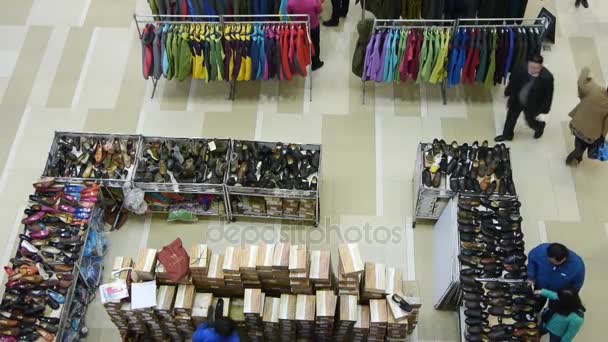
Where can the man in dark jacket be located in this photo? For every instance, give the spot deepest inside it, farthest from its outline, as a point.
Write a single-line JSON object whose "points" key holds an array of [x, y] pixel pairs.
{"points": [[530, 91], [339, 9]]}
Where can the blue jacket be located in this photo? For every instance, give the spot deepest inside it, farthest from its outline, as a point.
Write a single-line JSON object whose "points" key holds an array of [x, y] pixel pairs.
{"points": [[555, 278], [204, 333]]}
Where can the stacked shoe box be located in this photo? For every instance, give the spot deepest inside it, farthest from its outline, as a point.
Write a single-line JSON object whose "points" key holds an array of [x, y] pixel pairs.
{"points": [[280, 266], [320, 273], [263, 266], [308, 209], [253, 309], [291, 207], [215, 274], [350, 268], [347, 317], [114, 309], [305, 316], [270, 319], [182, 309], [299, 265], [287, 317], [199, 264], [134, 320], [247, 266], [274, 206], [411, 294], [361, 327], [200, 308], [326, 312], [374, 281], [165, 298], [152, 322], [162, 276], [396, 329], [257, 205], [231, 268], [145, 265], [378, 319]]}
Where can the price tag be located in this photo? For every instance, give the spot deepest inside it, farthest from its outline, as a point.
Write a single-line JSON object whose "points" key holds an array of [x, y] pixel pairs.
{"points": [[212, 146]]}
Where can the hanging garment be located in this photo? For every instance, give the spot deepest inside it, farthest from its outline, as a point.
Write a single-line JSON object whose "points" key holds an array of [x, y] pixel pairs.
{"points": [[440, 70], [469, 56], [427, 47], [433, 9], [147, 40], [402, 45], [184, 68], [516, 8], [455, 9], [153, 7], [164, 56], [383, 9], [365, 30], [453, 63], [161, 7], [411, 9], [492, 67], [157, 52], [483, 59], [510, 56], [462, 57], [408, 56], [473, 59]]}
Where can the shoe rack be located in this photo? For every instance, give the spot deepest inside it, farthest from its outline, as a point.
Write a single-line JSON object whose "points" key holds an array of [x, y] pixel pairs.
{"points": [[204, 182], [430, 202], [210, 196]]}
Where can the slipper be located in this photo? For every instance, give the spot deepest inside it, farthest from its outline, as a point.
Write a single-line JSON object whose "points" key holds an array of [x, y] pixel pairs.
{"points": [[405, 306]]}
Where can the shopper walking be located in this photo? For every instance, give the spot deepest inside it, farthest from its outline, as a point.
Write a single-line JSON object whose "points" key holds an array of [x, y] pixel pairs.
{"points": [[566, 319], [588, 124], [578, 3], [312, 8], [530, 91], [339, 8], [552, 266]]}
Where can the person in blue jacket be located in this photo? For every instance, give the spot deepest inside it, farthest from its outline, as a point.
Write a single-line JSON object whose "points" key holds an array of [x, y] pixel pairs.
{"points": [[554, 267], [219, 329]]}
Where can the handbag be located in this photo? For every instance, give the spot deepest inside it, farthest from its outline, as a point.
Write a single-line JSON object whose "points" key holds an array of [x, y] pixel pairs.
{"points": [[175, 259], [598, 149]]}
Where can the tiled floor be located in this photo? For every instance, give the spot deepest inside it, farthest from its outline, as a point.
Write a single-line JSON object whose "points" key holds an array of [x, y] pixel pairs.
{"points": [[75, 65]]}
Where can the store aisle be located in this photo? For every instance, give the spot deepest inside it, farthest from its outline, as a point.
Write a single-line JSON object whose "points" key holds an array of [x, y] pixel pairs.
{"points": [[74, 65]]}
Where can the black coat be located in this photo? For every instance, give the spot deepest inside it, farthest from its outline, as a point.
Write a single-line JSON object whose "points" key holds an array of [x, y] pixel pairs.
{"points": [[541, 94]]}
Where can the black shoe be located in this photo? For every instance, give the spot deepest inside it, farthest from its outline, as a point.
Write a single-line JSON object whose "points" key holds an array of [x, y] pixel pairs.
{"points": [[317, 66], [427, 177], [503, 138], [437, 179], [539, 132], [585, 3], [331, 23], [577, 3], [344, 13]]}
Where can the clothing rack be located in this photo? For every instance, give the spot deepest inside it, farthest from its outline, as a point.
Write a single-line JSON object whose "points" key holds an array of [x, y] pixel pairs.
{"points": [[536, 23], [411, 23], [223, 21]]}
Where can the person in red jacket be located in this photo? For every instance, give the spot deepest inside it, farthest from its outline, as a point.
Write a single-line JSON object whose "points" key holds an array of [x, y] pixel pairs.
{"points": [[312, 8]]}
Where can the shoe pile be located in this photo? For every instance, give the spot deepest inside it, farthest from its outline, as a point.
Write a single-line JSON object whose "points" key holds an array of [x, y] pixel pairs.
{"points": [[201, 204], [473, 169], [182, 161], [491, 239], [100, 157], [42, 269], [499, 311], [492, 252], [273, 166]]}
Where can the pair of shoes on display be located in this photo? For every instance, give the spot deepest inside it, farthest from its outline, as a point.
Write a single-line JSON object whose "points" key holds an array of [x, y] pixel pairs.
{"points": [[578, 3], [92, 157], [187, 160]]}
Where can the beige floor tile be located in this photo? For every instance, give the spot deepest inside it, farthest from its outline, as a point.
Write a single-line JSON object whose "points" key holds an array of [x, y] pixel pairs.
{"points": [[73, 14], [15, 13]]}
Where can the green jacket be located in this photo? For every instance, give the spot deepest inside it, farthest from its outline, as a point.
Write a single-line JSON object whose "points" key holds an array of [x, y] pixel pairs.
{"points": [[185, 57], [364, 28], [169, 52]]}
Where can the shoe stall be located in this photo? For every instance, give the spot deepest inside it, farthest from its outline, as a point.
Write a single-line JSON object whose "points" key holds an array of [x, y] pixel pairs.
{"points": [[190, 177], [480, 263], [443, 170], [183, 173], [42, 281], [107, 159], [274, 180]]}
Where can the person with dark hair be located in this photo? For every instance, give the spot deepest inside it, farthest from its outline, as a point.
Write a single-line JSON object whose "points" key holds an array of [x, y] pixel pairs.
{"points": [[578, 3], [531, 91], [588, 124], [552, 266], [339, 9], [218, 329], [563, 321]]}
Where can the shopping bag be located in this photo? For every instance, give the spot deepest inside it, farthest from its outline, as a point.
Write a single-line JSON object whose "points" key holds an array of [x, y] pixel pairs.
{"points": [[603, 152], [175, 259], [593, 151]]}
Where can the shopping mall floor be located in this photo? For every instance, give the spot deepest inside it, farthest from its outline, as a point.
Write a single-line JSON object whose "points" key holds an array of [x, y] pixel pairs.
{"points": [[75, 65]]}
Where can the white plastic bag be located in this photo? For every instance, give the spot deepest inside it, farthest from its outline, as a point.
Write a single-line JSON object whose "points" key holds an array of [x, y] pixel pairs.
{"points": [[134, 201]]}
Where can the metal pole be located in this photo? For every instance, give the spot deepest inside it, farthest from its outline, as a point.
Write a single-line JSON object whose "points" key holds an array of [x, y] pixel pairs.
{"points": [[137, 25], [155, 82], [310, 52], [362, 10]]}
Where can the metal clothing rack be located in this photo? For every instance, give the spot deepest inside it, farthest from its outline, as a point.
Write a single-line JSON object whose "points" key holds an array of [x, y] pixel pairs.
{"points": [[224, 20], [412, 23]]}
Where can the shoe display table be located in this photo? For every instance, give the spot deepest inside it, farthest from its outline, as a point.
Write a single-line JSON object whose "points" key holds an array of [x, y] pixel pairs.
{"points": [[442, 171], [207, 177]]}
